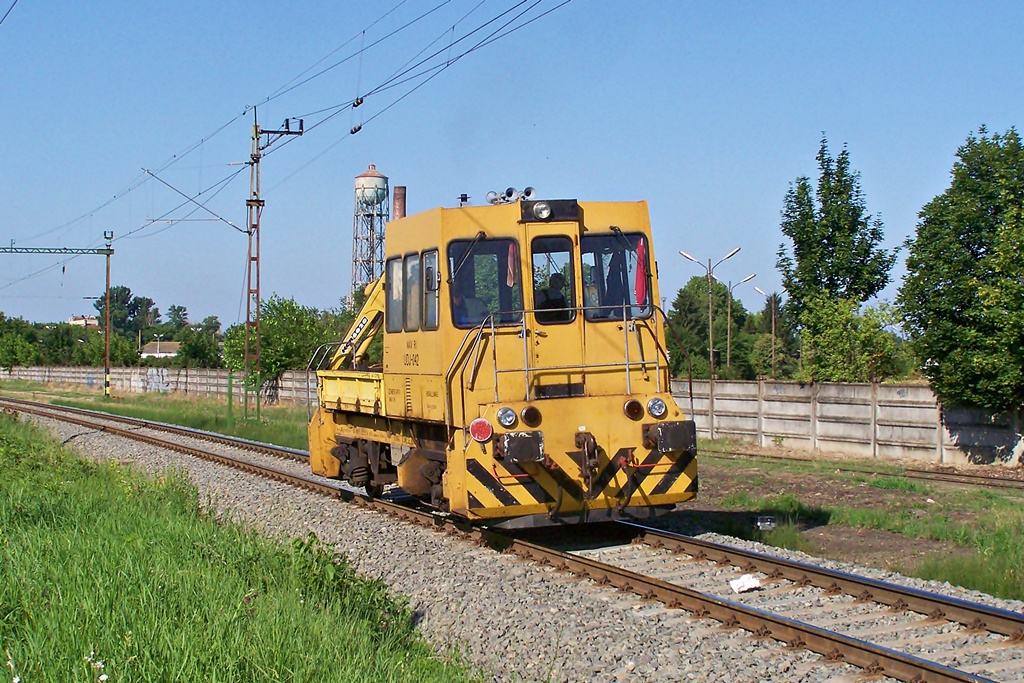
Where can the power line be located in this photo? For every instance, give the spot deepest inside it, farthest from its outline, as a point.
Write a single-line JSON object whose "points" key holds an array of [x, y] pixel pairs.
{"points": [[8, 12], [140, 180], [437, 69]]}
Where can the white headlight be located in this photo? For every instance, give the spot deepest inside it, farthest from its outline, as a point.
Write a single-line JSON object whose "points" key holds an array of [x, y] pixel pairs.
{"points": [[542, 211], [656, 407], [506, 417]]}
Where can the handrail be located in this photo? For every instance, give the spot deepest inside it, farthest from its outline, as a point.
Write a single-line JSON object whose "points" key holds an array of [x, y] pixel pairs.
{"points": [[471, 348], [315, 366]]}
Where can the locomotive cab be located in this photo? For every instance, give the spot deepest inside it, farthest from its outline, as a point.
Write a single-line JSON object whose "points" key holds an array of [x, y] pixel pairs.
{"points": [[524, 379]]}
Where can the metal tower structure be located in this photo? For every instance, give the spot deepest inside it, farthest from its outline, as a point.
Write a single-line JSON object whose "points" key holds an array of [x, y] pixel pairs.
{"points": [[371, 215]]}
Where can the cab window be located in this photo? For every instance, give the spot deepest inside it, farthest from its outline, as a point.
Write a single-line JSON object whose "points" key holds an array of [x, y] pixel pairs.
{"points": [[413, 292], [553, 288], [430, 290], [394, 310], [485, 281], [616, 276]]}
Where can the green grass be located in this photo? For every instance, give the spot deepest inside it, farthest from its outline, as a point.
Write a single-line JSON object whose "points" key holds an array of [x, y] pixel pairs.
{"points": [[284, 425], [897, 484], [988, 526], [101, 565]]}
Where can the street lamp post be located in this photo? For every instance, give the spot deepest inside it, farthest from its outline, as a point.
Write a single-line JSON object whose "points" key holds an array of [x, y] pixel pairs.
{"points": [[710, 269], [158, 337], [728, 333], [771, 299]]}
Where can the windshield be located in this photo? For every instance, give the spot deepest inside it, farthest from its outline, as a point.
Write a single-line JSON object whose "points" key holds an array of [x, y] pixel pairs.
{"points": [[487, 281], [616, 276]]}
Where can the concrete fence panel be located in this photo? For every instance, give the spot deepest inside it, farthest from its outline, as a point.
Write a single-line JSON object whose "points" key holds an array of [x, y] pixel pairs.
{"points": [[876, 420]]}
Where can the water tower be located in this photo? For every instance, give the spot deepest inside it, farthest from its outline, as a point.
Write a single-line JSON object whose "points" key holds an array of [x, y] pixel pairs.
{"points": [[371, 215]]}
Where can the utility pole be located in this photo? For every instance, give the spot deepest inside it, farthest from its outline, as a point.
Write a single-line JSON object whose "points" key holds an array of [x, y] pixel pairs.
{"points": [[261, 140], [105, 251], [108, 235]]}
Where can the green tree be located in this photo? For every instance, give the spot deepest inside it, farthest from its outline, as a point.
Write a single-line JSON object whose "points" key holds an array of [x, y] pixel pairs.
{"points": [[16, 350], [289, 334], [210, 324], [129, 314], [58, 342], [840, 344], [91, 351], [689, 320], [177, 316], [963, 297], [835, 250], [197, 349]]}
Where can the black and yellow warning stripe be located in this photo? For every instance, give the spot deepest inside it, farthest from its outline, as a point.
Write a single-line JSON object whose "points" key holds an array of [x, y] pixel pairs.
{"points": [[493, 486]]}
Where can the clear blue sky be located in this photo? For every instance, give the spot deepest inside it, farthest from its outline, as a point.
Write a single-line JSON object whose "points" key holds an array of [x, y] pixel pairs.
{"points": [[706, 110]]}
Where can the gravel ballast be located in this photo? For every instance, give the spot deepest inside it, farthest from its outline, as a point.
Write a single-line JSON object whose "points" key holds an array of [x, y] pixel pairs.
{"points": [[515, 621]]}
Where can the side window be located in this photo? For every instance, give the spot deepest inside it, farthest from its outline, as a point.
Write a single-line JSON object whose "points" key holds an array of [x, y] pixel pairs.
{"points": [[430, 290], [413, 292], [394, 320], [616, 276], [553, 289], [485, 282]]}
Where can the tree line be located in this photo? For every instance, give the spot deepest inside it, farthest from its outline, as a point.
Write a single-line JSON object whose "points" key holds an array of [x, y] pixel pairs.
{"points": [[958, 317]]}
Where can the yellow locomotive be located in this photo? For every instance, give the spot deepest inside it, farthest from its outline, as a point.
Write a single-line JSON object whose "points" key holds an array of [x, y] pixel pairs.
{"points": [[525, 379]]}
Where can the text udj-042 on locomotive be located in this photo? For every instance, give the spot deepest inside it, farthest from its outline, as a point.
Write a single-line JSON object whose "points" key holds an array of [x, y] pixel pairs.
{"points": [[524, 380]]}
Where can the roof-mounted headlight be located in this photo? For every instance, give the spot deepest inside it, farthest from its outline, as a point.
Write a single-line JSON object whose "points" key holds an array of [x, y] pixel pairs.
{"points": [[541, 211]]}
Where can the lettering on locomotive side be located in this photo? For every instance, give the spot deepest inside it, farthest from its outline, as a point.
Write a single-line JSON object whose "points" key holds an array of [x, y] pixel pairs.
{"points": [[410, 343], [412, 359]]}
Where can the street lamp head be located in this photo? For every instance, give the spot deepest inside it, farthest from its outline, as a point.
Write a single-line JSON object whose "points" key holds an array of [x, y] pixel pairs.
{"points": [[731, 253], [747, 279], [687, 256], [760, 291]]}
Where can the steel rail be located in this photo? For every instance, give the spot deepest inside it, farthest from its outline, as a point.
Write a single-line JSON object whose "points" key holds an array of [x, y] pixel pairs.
{"points": [[971, 615], [873, 659], [237, 442]]}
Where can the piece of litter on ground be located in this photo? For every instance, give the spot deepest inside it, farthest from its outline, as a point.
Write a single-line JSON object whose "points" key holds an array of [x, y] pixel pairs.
{"points": [[747, 582]]}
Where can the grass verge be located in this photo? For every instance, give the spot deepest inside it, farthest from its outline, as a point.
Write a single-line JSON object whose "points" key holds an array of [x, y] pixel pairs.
{"points": [[989, 525], [108, 573]]}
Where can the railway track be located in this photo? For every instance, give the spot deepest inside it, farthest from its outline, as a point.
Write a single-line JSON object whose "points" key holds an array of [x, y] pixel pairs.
{"points": [[885, 629], [915, 473]]}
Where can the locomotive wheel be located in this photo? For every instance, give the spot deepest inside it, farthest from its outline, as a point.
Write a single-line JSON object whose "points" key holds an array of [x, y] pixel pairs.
{"points": [[374, 490]]}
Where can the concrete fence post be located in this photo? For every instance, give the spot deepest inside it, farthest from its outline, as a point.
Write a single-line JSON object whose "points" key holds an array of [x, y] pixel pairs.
{"points": [[711, 407], [814, 416], [939, 436], [760, 412], [874, 418]]}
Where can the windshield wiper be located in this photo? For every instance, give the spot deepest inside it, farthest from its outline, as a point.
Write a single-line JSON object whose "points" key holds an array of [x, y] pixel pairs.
{"points": [[469, 251]]}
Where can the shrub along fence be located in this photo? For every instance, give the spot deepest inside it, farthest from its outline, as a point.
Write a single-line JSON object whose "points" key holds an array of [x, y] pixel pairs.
{"points": [[872, 420]]}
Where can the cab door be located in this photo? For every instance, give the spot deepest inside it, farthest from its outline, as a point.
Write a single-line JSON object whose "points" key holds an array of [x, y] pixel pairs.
{"points": [[554, 323]]}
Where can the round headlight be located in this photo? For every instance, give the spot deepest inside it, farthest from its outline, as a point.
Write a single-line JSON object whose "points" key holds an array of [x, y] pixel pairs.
{"points": [[657, 408], [633, 409], [481, 430], [531, 416], [506, 417], [542, 211]]}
